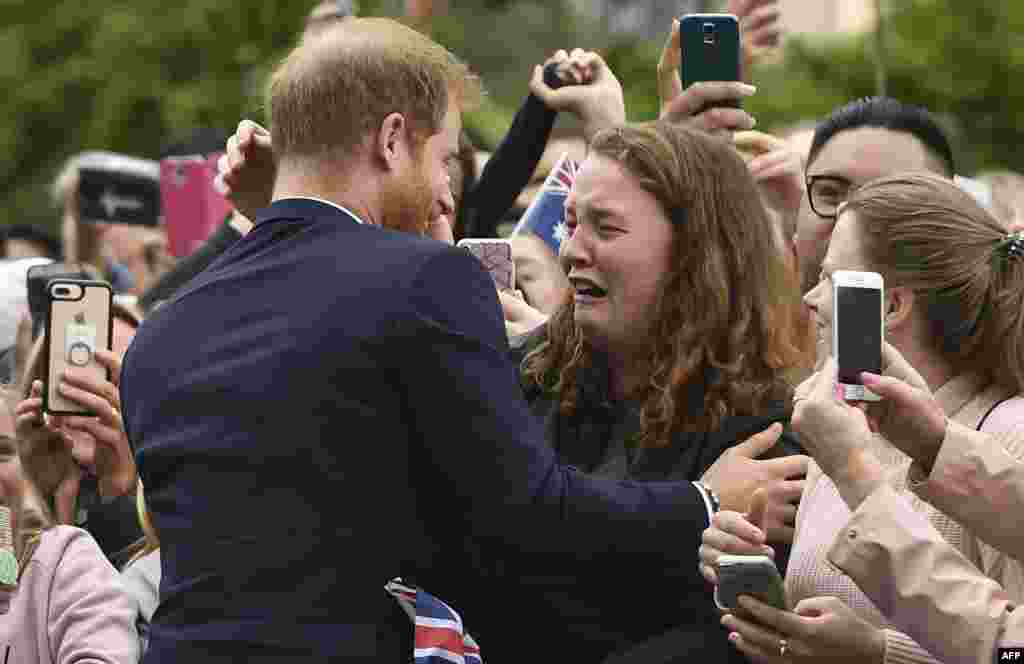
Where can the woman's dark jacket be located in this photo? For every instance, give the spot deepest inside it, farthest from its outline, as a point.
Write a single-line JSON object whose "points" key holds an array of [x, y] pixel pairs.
{"points": [[637, 615]]}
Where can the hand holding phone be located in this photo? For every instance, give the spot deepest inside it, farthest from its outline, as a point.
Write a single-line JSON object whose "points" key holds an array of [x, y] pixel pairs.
{"points": [[78, 323], [756, 576], [710, 50], [496, 257], [857, 330]]}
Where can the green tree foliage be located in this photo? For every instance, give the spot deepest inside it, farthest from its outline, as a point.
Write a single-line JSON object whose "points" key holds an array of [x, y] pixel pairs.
{"points": [[133, 75], [961, 60], [128, 76]]}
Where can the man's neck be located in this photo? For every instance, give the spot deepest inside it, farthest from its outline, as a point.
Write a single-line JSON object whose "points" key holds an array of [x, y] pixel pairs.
{"points": [[340, 190]]}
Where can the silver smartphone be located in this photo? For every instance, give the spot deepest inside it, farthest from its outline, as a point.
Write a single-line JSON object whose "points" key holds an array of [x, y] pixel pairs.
{"points": [[756, 576], [857, 325]]}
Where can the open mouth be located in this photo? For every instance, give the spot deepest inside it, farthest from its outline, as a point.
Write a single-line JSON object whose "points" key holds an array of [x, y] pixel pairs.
{"points": [[587, 288]]}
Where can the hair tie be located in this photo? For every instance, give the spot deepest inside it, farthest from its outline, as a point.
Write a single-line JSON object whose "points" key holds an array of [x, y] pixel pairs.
{"points": [[1012, 246]]}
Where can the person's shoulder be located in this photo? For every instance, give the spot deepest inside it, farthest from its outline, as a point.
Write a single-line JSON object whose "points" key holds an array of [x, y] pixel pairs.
{"points": [[1006, 416], [59, 542]]}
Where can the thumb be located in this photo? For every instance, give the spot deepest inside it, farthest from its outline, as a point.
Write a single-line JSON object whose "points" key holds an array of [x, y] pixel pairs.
{"points": [[758, 504], [759, 443], [812, 607], [890, 388]]}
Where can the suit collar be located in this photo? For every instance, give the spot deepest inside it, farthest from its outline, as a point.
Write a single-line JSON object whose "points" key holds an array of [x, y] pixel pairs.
{"points": [[303, 208]]}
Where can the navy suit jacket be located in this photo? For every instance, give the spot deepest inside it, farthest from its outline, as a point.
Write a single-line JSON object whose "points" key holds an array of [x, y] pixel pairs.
{"points": [[330, 405]]}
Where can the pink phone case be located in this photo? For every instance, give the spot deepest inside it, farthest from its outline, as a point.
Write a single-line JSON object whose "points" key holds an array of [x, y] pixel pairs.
{"points": [[192, 208], [496, 256]]}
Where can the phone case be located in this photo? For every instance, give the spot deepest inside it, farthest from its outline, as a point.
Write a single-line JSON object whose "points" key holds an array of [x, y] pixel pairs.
{"points": [[75, 329], [710, 49], [756, 576], [857, 280], [192, 207], [36, 279], [496, 256]]}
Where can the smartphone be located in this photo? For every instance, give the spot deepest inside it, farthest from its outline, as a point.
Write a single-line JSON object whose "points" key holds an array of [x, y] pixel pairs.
{"points": [[496, 256], [117, 189], [36, 279], [78, 323], [710, 50], [192, 207], [756, 576], [857, 324]]}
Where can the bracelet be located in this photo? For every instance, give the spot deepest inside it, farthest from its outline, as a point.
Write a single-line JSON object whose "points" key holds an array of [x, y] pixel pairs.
{"points": [[716, 504]]}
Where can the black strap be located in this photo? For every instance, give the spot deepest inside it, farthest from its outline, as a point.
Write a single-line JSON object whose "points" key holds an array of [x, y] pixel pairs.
{"points": [[994, 406]]}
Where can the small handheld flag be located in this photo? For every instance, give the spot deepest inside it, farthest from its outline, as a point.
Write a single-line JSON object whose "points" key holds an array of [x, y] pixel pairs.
{"points": [[546, 215]]}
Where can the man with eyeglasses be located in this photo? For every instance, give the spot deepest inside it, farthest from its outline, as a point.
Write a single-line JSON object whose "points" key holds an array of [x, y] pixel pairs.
{"points": [[863, 140]]}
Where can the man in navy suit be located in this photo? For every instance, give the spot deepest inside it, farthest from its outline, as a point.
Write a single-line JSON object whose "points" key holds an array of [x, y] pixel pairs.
{"points": [[331, 403]]}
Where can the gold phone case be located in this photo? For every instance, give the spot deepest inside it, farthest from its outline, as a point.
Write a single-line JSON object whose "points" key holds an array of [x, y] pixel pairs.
{"points": [[78, 324]]}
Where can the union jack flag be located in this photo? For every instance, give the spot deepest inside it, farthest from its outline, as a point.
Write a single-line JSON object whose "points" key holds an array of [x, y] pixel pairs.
{"points": [[546, 215], [440, 636]]}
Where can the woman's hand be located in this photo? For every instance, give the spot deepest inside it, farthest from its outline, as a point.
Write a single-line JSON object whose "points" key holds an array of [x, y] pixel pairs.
{"points": [[247, 169], [596, 98], [42, 448], [520, 317], [819, 629], [730, 533], [105, 450], [678, 105]]}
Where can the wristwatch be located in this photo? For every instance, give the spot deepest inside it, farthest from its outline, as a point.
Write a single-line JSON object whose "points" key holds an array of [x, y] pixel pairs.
{"points": [[716, 504]]}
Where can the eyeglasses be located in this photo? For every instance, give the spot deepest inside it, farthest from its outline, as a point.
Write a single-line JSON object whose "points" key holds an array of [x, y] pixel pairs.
{"points": [[827, 193]]}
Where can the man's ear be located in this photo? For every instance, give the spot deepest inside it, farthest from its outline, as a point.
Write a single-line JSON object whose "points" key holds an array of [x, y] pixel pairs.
{"points": [[899, 307], [391, 141]]}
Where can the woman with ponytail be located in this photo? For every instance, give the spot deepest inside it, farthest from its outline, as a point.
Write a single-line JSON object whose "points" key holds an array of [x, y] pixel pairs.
{"points": [[954, 310]]}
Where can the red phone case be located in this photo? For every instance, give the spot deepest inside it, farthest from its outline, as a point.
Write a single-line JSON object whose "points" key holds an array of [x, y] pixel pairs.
{"points": [[192, 208]]}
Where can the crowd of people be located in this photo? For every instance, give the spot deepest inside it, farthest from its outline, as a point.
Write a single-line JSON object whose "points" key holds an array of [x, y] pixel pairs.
{"points": [[325, 435]]}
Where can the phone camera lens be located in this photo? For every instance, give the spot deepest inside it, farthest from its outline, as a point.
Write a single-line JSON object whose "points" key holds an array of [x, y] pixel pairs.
{"points": [[61, 291], [709, 28]]}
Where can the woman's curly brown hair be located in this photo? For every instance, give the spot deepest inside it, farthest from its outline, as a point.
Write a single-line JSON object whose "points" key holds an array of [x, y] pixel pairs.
{"points": [[724, 321]]}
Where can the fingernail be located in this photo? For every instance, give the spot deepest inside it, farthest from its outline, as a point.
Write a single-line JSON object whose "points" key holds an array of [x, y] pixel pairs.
{"points": [[727, 621], [734, 637], [748, 89]]}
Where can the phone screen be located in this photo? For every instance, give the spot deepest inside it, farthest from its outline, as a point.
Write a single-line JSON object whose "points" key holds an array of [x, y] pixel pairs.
{"points": [[859, 333]]}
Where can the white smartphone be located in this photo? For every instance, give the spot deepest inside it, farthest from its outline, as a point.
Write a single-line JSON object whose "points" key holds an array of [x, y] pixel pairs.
{"points": [[496, 256], [857, 330], [756, 576]]}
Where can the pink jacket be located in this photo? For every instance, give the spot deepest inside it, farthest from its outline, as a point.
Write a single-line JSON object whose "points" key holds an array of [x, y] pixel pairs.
{"points": [[69, 608]]}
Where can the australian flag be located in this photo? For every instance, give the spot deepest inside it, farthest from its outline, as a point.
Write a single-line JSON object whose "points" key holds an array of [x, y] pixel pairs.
{"points": [[440, 636], [546, 215]]}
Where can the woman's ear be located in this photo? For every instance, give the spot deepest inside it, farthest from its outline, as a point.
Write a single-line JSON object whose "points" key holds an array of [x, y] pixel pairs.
{"points": [[899, 307]]}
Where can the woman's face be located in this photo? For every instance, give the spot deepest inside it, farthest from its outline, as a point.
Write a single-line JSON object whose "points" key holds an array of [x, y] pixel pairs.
{"points": [[11, 477], [618, 254], [845, 252]]}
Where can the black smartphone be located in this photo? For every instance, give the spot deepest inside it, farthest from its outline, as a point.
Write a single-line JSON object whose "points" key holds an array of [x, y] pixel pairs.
{"points": [[36, 279], [710, 50]]}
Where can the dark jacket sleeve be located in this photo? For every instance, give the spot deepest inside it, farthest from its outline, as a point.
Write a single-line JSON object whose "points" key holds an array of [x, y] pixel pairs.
{"points": [[466, 406], [510, 167]]}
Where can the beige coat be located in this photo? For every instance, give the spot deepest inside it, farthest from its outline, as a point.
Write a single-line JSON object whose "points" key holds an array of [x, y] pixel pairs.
{"points": [[911, 573]]}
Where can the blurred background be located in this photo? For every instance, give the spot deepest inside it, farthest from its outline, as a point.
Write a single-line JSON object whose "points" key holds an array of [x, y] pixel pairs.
{"points": [[134, 76]]}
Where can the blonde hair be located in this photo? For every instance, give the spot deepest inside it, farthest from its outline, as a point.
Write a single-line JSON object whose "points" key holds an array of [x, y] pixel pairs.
{"points": [[149, 542], [338, 85], [924, 233]]}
